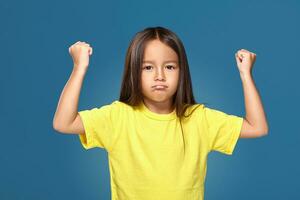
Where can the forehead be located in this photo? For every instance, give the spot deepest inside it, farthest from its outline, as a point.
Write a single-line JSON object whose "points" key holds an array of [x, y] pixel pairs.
{"points": [[155, 50]]}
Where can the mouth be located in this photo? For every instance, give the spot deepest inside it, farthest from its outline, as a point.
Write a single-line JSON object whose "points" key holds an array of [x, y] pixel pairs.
{"points": [[159, 86], [160, 89]]}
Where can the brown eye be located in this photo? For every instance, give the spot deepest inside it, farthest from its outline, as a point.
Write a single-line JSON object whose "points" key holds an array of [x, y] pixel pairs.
{"points": [[170, 67], [147, 67]]}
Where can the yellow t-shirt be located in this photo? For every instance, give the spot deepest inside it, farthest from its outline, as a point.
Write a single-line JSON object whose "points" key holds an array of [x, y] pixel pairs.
{"points": [[149, 157]]}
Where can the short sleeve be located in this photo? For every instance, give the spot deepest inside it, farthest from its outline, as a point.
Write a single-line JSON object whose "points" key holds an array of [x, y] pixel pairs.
{"points": [[223, 130], [97, 124]]}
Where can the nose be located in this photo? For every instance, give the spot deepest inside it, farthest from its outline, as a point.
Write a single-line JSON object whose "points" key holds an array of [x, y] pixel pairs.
{"points": [[160, 75]]}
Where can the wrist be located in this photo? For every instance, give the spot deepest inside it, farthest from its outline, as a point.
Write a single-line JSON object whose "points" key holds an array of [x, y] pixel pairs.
{"points": [[80, 66], [79, 70], [245, 75]]}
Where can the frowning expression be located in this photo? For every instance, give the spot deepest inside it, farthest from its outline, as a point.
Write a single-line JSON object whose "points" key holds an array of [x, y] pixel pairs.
{"points": [[160, 72]]}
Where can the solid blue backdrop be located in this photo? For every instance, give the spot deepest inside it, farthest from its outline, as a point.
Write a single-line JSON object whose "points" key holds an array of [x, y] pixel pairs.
{"points": [[36, 162]]}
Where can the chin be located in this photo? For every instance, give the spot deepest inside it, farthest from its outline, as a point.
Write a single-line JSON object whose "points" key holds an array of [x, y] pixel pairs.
{"points": [[157, 98]]}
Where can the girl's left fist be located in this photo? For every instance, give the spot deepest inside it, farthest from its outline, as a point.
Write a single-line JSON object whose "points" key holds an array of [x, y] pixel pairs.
{"points": [[245, 60]]}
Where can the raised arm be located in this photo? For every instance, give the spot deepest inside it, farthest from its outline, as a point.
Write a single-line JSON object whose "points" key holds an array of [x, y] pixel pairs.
{"points": [[255, 122], [66, 118]]}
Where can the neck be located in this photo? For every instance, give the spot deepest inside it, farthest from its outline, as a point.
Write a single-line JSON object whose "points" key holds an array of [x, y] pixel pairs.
{"points": [[164, 107]]}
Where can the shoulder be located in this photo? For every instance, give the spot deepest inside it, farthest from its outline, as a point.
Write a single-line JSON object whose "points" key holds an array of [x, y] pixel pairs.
{"points": [[193, 111], [203, 112], [119, 109], [120, 105], [195, 108]]}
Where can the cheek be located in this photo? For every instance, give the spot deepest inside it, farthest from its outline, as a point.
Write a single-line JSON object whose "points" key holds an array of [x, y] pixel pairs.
{"points": [[145, 78], [144, 82], [175, 78], [175, 82]]}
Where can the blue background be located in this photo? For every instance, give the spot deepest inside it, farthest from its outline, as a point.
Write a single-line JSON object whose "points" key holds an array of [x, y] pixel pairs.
{"points": [[36, 162]]}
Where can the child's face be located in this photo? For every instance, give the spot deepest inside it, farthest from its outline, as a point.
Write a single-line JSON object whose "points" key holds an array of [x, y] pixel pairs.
{"points": [[160, 67]]}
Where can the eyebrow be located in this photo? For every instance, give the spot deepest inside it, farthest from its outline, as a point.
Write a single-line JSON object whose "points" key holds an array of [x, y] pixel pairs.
{"points": [[168, 61]]}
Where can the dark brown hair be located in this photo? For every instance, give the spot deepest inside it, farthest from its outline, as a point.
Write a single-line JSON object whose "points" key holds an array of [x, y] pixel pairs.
{"points": [[131, 93]]}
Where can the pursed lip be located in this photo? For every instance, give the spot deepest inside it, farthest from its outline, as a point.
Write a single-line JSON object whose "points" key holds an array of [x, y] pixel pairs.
{"points": [[155, 86]]}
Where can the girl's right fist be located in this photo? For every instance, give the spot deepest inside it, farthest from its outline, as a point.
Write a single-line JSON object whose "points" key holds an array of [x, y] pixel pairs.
{"points": [[80, 52]]}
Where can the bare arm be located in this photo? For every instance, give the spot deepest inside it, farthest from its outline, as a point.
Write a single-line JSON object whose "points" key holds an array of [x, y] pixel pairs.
{"points": [[66, 118], [67, 108], [255, 123]]}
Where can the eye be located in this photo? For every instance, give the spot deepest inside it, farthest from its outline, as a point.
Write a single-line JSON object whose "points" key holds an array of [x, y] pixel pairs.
{"points": [[170, 67], [147, 67]]}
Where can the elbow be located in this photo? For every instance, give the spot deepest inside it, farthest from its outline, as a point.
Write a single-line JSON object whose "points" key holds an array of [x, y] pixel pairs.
{"points": [[263, 132], [56, 127], [266, 130], [60, 128], [54, 123]]}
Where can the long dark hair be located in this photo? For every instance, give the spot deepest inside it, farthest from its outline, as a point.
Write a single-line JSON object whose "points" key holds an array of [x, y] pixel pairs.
{"points": [[131, 93]]}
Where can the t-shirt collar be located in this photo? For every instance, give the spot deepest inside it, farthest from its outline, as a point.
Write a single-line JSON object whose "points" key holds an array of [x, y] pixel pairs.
{"points": [[144, 109]]}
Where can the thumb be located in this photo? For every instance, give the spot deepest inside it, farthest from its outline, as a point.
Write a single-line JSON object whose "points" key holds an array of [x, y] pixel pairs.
{"points": [[238, 60], [90, 51]]}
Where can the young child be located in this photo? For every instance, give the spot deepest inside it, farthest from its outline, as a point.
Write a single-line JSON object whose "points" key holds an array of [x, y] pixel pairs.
{"points": [[156, 135]]}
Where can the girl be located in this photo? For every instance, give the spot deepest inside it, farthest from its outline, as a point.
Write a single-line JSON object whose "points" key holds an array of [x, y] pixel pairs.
{"points": [[156, 135]]}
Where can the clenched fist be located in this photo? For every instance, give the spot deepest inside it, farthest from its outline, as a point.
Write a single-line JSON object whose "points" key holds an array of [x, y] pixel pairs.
{"points": [[245, 60], [80, 52]]}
